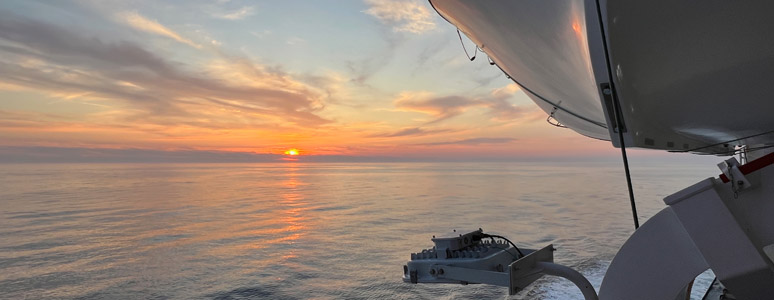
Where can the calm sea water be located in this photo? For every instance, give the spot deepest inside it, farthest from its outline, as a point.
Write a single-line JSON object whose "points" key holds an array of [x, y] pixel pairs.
{"points": [[300, 230]]}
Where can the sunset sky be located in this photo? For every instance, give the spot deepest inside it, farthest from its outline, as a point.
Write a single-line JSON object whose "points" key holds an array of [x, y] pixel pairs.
{"points": [[347, 78]]}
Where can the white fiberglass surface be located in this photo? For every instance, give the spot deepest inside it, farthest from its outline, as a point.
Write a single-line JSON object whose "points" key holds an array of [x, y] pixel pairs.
{"points": [[542, 45]]}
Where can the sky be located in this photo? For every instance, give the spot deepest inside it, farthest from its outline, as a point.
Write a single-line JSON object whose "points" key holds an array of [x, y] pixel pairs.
{"points": [[331, 78]]}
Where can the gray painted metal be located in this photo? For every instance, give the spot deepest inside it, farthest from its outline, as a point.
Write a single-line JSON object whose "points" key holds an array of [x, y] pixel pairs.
{"points": [[574, 276], [657, 262], [712, 215], [710, 224]]}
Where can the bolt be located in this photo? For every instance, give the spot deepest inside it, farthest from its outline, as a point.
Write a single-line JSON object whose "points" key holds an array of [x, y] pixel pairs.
{"points": [[440, 271], [607, 91], [740, 182], [432, 271]]}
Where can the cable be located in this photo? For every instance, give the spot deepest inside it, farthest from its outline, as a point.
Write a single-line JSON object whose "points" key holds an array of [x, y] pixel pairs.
{"points": [[729, 153], [525, 88], [626, 168], [723, 143], [507, 240], [516, 257], [618, 118], [522, 86], [466, 50]]}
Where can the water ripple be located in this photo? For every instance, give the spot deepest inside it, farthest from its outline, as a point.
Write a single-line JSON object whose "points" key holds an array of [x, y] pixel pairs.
{"points": [[293, 230]]}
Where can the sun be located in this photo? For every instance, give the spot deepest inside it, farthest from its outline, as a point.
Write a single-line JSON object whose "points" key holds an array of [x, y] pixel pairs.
{"points": [[292, 152]]}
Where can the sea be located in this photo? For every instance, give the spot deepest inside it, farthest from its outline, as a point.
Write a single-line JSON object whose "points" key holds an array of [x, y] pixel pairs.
{"points": [[296, 230]]}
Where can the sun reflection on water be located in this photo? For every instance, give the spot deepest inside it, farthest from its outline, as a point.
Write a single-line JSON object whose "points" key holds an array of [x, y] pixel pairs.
{"points": [[294, 217]]}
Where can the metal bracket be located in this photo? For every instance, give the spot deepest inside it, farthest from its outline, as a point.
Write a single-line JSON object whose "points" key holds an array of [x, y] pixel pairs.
{"points": [[525, 271], [730, 168]]}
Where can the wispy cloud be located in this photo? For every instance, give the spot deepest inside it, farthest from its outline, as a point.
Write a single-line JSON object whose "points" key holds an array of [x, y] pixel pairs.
{"points": [[506, 91], [149, 87], [237, 14], [133, 155], [139, 22], [473, 142], [441, 108], [496, 105], [403, 16], [363, 69], [413, 131], [502, 110]]}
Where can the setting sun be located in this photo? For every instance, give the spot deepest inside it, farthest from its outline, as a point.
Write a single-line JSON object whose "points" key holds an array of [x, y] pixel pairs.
{"points": [[292, 152]]}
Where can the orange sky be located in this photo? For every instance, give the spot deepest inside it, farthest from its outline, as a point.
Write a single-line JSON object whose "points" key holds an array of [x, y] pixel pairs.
{"points": [[366, 78]]}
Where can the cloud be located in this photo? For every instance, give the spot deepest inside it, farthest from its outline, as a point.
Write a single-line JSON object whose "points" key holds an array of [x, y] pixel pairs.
{"points": [[413, 131], [502, 110], [403, 16], [363, 69], [132, 155], [429, 53], [506, 91], [440, 107], [141, 23], [473, 142], [48, 58], [237, 14]]}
